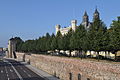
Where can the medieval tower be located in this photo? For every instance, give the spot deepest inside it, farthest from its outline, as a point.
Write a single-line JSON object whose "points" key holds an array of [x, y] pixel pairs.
{"points": [[85, 21], [96, 15], [11, 48]]}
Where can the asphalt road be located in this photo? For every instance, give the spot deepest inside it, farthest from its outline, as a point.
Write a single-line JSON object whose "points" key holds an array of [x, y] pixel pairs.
{"points": [[13, 70]]}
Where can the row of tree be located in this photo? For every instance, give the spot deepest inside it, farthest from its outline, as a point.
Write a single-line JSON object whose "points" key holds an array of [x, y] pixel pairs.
{"points": [[97, 38]]}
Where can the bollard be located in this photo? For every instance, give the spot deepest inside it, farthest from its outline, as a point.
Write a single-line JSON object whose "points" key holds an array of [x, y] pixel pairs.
{"points": [[70, 77], [28, 61], [54, 73], [79, 76], [24, 58]]}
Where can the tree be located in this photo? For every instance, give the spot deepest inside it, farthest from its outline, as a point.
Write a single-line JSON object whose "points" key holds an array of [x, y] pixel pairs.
{"points": [[85, 43], [96, 36], [68, 36], [59, 41], [48, 41], [65, 43], [38, 45], [106, 41], [115, 36], [54, 43], [73, 41], [80, 39]]}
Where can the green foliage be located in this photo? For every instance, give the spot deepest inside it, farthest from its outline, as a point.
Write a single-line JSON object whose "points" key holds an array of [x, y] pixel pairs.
{"points": [[115, 36], [97, 38], [78, 37], [54, 44], [73, 43], [59, 40]]}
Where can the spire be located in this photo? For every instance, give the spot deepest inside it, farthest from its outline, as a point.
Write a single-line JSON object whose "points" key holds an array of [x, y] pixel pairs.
{"points": [[85, 14], [96, 11]]}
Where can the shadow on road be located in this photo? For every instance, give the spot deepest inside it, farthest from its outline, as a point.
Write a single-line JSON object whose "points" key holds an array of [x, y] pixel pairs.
{"points": [[30, 78]]}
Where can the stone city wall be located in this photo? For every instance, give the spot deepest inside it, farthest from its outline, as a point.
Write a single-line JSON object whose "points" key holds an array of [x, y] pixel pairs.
{"points": [[62, 67]]}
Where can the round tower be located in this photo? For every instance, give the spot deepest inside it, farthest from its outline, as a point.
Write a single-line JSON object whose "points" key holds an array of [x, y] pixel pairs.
{"points": [[57, 28], [74, 24]]}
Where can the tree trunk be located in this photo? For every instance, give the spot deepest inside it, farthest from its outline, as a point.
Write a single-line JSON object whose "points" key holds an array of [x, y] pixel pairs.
{"points": [[80, 54], [70, 54], [90, 55], [85, 54], [98, 55], [109, 54], [115, 52], [59, 51], [105, 54], [115, 56]]}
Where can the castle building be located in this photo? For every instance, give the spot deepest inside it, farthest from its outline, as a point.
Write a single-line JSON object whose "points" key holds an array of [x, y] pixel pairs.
{"points": [[85, 22], [65, 30]]}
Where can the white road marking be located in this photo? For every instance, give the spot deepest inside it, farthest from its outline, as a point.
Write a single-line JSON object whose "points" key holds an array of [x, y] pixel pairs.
{"points": [[24, 70], [7, 75], [16, 72], [6, 69], [1, 71], [11, 70], [29, 75], [8, 78]]}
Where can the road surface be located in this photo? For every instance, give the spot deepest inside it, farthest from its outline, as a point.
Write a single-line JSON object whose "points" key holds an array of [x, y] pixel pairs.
{"points": [[13, 70]]}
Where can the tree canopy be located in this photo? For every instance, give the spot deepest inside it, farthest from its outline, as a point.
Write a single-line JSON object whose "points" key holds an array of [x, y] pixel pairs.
{"points": [[97, 38]]}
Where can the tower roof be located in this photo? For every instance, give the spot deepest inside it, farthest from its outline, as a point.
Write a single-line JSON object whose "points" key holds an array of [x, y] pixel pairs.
{"points": [[85, 14], [96, 11], [11, 38]]}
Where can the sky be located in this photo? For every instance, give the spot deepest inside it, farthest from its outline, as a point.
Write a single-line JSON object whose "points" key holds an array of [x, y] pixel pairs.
{"points": [[30, 19]]}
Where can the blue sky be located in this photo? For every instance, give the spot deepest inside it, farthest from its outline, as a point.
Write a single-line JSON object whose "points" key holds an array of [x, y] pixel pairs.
{"points": [[30, 19]]}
